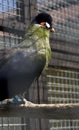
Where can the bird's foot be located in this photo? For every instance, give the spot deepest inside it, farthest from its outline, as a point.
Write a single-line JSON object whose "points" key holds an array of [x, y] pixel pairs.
{"points": [[14, 100]]}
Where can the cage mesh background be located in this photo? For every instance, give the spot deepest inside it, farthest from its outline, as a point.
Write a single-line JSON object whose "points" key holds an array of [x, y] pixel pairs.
{"points": [[63, 72], [63, 87], [64, 42]]}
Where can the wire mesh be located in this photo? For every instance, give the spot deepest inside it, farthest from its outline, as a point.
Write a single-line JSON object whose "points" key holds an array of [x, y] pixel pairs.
{"points": [[14, 18], [11, 123], [63, 87], [62, 79], [63, 73], [65, 41], [64, 125], [9, 26]]}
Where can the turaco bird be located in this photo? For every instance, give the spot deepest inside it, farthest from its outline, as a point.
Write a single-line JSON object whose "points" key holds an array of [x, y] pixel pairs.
{"points": [[20, 65]]}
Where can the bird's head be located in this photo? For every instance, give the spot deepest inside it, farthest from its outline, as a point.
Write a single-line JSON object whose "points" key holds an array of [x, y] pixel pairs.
{"points": [[45, 20]]}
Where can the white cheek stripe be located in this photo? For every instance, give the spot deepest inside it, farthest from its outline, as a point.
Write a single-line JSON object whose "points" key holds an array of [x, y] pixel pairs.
{"points": [[47, 25]]}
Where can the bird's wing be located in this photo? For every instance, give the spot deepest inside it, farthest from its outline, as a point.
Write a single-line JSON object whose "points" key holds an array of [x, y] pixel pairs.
{"points": [[20, 72], [27, 43]]}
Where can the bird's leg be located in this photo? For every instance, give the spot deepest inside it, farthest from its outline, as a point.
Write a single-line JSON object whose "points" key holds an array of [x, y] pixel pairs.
{"points": [[24, 100], [21, 99], [6, 101], [16, 99]]}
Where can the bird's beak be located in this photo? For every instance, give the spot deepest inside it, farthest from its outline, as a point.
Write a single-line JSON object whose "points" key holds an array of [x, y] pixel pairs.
{"points": [[52, 30]]}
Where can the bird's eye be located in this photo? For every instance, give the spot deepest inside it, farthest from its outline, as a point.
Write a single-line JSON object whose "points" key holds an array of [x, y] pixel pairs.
{"points": [[43, 23], [47, 25]]}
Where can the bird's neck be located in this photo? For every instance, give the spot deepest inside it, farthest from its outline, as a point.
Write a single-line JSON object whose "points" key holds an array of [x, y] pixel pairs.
{"points": [[42, 34], [39, 31], [38, 36]]}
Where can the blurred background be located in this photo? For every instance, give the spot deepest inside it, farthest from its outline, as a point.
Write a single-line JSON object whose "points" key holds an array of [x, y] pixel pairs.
{"points": [[60, 82]]}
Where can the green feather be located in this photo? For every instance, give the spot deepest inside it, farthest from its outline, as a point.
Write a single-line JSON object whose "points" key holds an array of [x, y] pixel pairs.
{"points": [[37, 39]]}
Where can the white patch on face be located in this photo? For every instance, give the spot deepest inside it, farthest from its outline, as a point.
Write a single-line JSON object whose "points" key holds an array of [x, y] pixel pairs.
{"points": [[47, 25]]}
